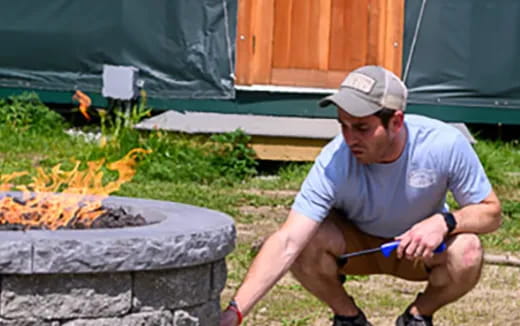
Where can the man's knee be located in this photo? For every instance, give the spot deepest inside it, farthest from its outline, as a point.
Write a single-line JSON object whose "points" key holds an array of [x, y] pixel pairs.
{"points": [[470, 254], [327, 242], [463, 263]]}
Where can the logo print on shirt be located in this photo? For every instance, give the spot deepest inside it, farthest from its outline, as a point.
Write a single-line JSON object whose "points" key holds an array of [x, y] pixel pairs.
{"points": [[422, 178]]}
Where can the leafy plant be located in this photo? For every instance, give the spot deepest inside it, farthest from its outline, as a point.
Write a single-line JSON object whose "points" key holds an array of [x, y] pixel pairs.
{"points": [[120, 120], [176, 158], [224, 158], [233, 155], [26, 112]]}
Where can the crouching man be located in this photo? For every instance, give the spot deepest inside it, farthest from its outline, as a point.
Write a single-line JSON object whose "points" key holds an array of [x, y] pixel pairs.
{"points": [[384, 178]]}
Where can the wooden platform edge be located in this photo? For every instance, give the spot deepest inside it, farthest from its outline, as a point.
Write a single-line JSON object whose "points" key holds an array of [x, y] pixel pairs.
{"points": [[287, 148]]}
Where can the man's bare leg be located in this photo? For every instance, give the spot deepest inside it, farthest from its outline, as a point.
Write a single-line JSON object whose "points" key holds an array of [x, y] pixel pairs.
{"points": [[453, 277], [316, 269]]}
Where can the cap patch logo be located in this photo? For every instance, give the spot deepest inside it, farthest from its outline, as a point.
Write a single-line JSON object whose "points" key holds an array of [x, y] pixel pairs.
{"points": [[359, 82]]}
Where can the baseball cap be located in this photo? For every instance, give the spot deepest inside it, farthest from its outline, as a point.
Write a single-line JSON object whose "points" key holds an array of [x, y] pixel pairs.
{"points": [[367, 90]]}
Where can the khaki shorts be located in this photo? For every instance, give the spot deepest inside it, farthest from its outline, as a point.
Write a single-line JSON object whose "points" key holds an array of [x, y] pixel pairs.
{"points": [[375, 263]]}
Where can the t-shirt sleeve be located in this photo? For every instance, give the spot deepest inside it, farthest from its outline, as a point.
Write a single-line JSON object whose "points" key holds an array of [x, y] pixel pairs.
{"points": [[467, 179], [317, 193]]}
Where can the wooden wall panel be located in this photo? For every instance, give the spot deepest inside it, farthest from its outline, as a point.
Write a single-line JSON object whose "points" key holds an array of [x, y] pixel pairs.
{"points": [[301, 34], [307, 77], [349, 34], [243, 43], [312, 35], [262, 24], [300, 49], [394, 36], [376, 32], [282, 33], [323, 32], [254, 41]]}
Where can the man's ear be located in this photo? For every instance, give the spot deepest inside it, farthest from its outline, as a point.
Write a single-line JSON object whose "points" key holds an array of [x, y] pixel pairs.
{"points": [[397, 121]]}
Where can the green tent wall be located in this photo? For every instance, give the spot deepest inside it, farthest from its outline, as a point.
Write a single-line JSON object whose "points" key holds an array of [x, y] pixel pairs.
{"points": [[463, 55], [182, 48]]}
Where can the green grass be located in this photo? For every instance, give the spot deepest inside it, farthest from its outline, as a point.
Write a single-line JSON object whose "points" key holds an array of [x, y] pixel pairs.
{"points": [[507, 237], [501, 162], [288, 176]]}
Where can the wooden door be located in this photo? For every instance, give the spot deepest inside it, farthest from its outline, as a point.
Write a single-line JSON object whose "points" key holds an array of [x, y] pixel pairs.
{"points": [[315, 43]]}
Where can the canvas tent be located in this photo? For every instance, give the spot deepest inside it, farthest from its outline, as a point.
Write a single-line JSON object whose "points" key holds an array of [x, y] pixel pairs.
{"points": [[268, 57]]}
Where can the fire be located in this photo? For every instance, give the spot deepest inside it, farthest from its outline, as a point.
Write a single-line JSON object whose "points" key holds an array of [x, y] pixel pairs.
{"points": [[59, 198], [84, 103]]}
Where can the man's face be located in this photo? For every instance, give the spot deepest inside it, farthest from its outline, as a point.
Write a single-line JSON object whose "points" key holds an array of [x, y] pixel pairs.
{"points": [[368, 139]]}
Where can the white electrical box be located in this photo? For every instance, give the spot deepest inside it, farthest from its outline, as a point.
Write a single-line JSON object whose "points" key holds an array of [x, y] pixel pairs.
{"points": [[120, 82]]}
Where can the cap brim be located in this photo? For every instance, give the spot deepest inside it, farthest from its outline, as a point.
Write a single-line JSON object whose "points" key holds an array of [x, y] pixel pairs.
{"points": [[351, 103]]}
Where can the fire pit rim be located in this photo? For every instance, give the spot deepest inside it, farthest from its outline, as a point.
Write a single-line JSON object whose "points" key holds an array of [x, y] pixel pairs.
{"points": [[184, 235]]}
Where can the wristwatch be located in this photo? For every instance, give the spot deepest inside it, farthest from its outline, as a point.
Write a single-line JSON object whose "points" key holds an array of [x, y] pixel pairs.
{"points": [[451, 223]]}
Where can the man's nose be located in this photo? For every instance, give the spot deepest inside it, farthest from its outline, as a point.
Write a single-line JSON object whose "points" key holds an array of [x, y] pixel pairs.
{"points": [[350, 137]]}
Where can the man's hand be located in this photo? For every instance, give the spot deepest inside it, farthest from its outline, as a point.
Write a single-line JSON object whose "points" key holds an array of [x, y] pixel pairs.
{"points": [[228, 318], [423, 238]]}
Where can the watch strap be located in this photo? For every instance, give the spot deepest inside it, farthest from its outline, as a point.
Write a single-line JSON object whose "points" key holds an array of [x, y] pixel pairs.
{"points": [[451, 223]]}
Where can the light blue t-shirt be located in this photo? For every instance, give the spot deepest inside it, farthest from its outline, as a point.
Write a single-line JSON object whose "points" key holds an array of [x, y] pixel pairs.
{"points": [[387, 199]]}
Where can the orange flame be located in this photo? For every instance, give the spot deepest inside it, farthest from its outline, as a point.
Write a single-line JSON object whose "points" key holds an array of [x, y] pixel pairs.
{"points": [[84, 103], [79, 201]]}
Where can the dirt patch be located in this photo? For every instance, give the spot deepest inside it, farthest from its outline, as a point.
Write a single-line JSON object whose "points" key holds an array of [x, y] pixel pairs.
{"points": [[264, 221], [276, 213], [494, 301], [272, 193]]}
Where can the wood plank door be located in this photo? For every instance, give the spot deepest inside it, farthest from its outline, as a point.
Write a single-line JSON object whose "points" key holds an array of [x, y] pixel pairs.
{"points": [[315, 43]]}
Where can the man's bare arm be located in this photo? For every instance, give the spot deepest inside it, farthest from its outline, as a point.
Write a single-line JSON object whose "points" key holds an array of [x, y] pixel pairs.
{"points": [[480, 218], [426, 235], [275, 258]]}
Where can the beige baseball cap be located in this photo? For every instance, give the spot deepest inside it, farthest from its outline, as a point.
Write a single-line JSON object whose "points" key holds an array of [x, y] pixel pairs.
{"points": [[367, 90]]}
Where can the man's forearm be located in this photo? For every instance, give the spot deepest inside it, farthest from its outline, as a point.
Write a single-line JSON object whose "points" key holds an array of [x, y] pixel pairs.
{"points": [[274, 259], [269, 266], [479, 218]]}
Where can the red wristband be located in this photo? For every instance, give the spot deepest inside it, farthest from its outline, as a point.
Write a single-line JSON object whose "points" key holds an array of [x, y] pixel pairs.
{"points": [[233, 306]]}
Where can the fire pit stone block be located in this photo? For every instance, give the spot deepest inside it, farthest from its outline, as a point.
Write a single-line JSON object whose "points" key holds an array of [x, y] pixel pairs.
{"points": [[60, 296], [160, 318], [15, 253]]}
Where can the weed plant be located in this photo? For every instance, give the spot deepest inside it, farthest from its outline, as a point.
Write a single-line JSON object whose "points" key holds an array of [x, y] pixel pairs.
{"points": [[232, 154], [26, 113]]}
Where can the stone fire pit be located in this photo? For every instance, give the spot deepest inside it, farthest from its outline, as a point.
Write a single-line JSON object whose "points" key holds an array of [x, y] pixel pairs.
{"points": [[170, 272]]}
